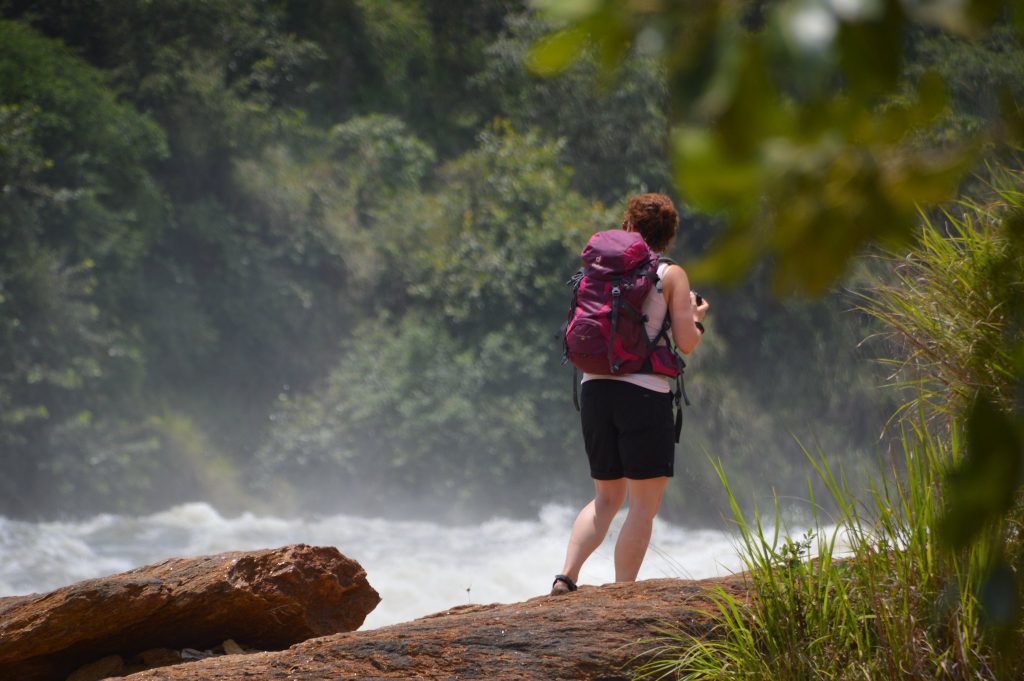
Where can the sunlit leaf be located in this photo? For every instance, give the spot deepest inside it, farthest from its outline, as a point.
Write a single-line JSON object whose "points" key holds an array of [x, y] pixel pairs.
{"points": [[556, 52]]}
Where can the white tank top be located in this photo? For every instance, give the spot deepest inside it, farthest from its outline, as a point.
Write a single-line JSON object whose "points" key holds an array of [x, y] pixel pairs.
{"points": [[655, 308]]}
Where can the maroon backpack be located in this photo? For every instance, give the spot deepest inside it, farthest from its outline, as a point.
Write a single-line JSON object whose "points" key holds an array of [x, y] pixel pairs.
{"points": [[605, 332]]}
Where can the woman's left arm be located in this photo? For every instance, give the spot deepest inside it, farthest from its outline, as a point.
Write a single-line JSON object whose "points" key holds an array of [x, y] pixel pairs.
{"points": [[684, 313]]}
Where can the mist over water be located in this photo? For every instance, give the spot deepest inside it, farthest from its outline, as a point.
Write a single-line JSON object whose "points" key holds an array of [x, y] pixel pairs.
{"points": [[418, 567]]}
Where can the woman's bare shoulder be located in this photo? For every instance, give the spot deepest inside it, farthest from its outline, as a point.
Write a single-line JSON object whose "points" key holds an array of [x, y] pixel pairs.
{"points": [[675, 276]]}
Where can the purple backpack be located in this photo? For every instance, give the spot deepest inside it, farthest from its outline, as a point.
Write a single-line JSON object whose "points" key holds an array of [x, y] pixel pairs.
{"points": [[605, 331]]}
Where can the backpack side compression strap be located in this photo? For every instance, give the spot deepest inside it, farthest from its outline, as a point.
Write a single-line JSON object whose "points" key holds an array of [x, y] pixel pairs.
{"points": [[613, 365], [575, 389]]}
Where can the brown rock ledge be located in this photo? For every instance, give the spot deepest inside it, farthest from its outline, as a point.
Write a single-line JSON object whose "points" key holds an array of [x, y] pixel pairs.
{"points": [[588, 635], [270, 599]]}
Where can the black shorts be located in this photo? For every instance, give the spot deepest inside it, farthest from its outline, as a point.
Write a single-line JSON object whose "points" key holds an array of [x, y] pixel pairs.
{"points": [[629, 431]]}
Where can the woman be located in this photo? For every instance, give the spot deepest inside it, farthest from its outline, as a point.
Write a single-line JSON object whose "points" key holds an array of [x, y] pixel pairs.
{"points": [[627, 420]]}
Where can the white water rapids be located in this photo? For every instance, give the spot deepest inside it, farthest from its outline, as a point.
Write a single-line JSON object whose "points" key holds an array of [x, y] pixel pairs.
{"points": [[418, 567]]}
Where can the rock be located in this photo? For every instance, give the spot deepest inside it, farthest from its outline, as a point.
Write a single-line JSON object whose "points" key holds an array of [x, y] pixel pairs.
{"points": [[157, 657], [150, 659], [231, 648], [112, 665], [589, 635], [270, 599], [189, 654]]}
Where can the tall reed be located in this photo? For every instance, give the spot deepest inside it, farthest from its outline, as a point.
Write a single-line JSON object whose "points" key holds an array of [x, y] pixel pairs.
{"points": [[951, 305]]}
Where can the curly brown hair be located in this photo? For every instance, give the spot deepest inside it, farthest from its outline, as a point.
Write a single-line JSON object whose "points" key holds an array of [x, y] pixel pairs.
{"points": [[654, 216]]}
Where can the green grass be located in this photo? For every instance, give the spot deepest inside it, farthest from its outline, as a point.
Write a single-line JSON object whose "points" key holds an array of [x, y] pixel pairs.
{"points": [[868, 593], [950, 306]]}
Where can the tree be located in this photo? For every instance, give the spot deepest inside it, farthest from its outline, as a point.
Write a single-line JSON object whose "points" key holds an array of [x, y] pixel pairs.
{"points": [[78, 210], [616, 136], [448, 394]]}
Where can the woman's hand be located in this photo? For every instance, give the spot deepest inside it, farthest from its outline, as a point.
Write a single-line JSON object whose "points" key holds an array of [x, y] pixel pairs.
{"points": [[682, 306], [699, 311]]}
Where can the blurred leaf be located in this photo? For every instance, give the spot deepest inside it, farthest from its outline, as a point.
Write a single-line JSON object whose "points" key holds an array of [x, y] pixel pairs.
{"points": [[710, 178], [890, 125], [926, 177], [755, 113], [871, 51], [731, 258], [556, 52], [705, 60], [982, 488]]}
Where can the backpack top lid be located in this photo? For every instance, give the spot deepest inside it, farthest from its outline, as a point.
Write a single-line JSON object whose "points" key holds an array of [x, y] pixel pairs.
{"points": [[614, 252]]}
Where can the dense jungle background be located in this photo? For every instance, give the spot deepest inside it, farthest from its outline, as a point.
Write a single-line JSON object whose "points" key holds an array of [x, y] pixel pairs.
{"points": [[310, 257]]}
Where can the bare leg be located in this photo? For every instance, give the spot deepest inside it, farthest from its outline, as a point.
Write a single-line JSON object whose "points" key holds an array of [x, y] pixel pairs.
{"points": [[635, 535], [592, 524]]}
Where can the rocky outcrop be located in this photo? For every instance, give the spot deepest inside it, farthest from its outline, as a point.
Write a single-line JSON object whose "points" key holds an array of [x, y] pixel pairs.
{"points": [[268, 599], [588, 635]]}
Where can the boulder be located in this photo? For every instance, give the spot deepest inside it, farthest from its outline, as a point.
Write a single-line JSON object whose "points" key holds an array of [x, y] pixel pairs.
{"points": [[269, 599], [587, 635]]}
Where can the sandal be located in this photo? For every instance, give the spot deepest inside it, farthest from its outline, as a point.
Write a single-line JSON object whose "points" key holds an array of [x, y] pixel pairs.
{"points": [[563, 584]]}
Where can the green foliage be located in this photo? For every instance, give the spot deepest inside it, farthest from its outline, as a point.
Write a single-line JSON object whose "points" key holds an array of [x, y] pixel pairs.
{"points": [[976, 72], [414, 60], [501, 233], [380, 159], [429, 392], [616, 137], [76, 190], [445, 373]]}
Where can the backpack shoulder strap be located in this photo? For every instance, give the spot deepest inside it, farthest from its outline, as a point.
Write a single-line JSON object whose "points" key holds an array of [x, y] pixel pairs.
{"points": [[679, 394]]}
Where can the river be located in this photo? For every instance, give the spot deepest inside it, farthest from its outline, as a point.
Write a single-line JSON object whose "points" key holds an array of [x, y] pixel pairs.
{"points": [[419, 567]]}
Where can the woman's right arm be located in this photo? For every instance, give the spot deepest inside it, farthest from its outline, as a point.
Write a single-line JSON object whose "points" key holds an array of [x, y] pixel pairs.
{"points": [[676, 289]]}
